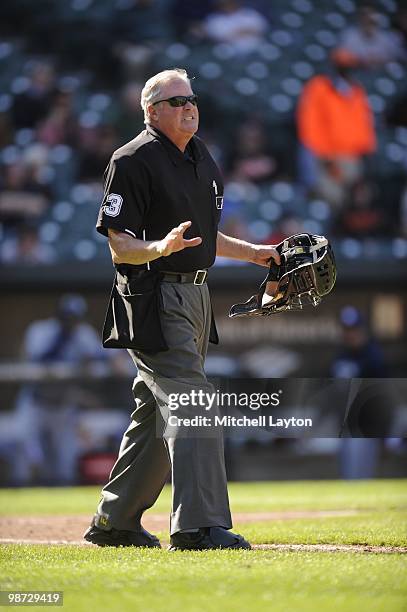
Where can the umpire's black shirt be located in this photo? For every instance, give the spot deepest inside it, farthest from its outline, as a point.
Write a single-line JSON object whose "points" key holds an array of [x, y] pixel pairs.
{"points": [[151, 187]]}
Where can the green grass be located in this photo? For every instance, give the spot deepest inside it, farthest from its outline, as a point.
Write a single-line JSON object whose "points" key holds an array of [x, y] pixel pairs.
{"points": [[245, 497], [154, 580], [370, 528], [374, 529], [123, 579]]}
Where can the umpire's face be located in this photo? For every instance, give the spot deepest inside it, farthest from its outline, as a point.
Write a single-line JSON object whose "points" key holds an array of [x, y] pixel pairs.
{"points": [[178, 123]]}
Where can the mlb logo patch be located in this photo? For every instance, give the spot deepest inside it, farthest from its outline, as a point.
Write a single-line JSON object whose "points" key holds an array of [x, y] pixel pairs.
{"points": [[219, 202]]}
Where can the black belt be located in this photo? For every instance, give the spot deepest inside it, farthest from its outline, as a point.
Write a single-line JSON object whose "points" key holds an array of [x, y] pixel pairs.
{"points": [[198, 277]]}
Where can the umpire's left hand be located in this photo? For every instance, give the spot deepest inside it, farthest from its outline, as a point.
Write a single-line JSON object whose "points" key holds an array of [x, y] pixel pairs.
{"points": [[263, 253]]}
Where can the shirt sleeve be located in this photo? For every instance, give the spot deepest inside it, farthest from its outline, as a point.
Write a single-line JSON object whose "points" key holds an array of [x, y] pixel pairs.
{"points": [[126, 197]]}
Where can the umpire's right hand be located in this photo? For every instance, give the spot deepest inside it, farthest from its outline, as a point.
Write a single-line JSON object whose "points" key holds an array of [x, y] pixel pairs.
{"points": [[175, 241]]}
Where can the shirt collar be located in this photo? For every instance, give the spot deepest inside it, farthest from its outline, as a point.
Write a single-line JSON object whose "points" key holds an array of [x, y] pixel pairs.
{"points": [[192, 152]]}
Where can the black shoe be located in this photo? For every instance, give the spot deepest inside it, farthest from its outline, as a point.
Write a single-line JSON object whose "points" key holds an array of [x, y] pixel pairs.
{"points": [[207, 538], [117, 537]]}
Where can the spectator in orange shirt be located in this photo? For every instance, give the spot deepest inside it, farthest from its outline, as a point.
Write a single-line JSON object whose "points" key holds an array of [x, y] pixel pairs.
{"points": [[335, 130]]}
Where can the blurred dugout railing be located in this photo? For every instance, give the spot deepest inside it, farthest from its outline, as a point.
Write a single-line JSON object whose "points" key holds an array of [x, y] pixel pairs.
{"points": [[93, 431]]}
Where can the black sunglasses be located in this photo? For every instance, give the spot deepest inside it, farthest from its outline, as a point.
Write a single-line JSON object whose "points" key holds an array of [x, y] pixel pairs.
{"points": [[179, 100]]}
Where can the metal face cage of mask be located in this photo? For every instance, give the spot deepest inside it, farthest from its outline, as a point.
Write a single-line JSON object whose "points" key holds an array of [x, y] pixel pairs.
{"points": [[307, 272]]}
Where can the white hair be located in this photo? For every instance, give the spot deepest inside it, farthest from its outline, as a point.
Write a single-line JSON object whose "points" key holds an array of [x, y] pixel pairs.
{"points": [[152, 88]]}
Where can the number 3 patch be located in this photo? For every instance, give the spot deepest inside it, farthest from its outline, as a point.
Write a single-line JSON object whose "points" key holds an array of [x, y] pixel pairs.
{"points": [[115, 203]]}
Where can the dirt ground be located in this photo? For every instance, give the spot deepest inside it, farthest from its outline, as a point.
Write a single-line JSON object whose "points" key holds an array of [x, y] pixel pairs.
{"points": [[70, 529]]}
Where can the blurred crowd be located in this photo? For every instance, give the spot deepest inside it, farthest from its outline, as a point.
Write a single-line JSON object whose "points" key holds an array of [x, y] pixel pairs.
{"points": [[312, 160]]}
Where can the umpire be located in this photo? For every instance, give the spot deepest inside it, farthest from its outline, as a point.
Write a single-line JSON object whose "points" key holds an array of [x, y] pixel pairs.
{"points": [[161, 208]]}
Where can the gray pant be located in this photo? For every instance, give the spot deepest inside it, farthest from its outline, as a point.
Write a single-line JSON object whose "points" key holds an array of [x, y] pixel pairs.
{"points": [[200, 497]]}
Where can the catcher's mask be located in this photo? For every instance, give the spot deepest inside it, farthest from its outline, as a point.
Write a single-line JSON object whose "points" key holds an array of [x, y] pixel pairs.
{"points": [[306, 273]]}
